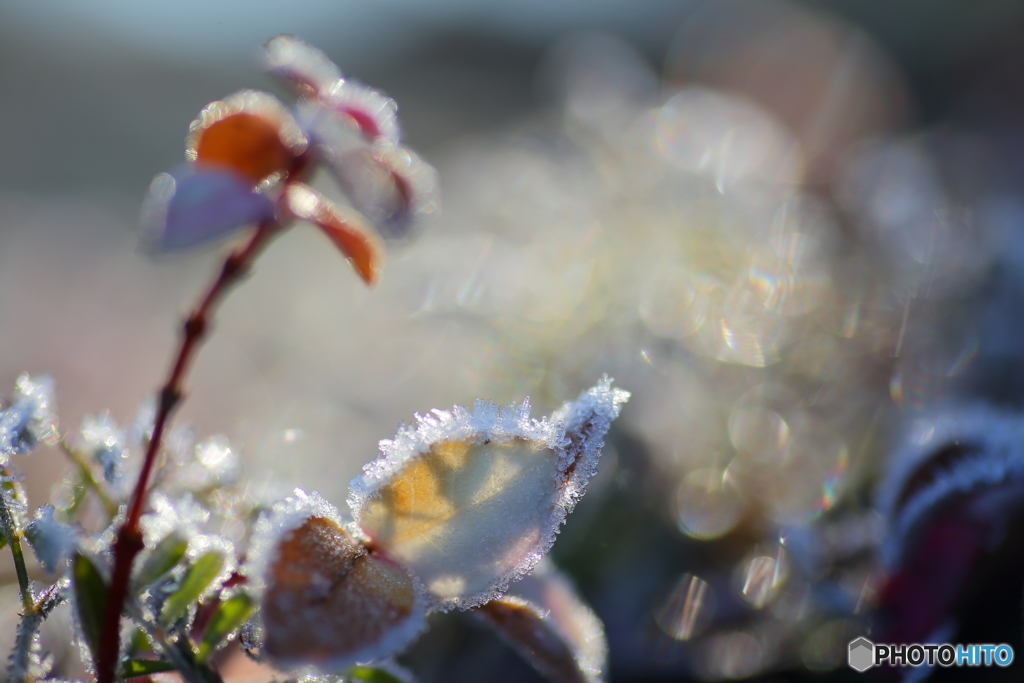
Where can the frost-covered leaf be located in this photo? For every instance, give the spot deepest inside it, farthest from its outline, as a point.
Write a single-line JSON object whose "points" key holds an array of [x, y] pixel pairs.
{"points": [[188, 206], [250, 133], [389, 184], [326, 600], [546, 622], [230, 615], [300, 64], [51, 541], [200, 575], [945, 455], [347, 230], [90, 592], [375, 115], [470, 501], [143, 667], [162, 559], [185, 518], [954, 479]]}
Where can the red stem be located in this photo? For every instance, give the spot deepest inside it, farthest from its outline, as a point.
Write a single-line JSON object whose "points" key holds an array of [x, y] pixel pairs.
{"points": [[129, 538]]}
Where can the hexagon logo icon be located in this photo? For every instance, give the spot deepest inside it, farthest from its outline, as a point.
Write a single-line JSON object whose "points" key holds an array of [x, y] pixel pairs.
{"points": [[861, 654]]}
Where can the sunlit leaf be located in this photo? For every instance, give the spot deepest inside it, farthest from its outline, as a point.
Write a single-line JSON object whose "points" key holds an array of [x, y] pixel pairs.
{"points": [[197, 579], [90, 593], [467, 512], [471, 501], [230, 615]]}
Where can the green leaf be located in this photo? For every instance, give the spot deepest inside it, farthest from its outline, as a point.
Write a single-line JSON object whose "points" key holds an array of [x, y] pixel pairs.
{"points": [[143, 667], [198, 578], [90, 600], [138, 644], [230, 615], [163, 559], [364, 673]]}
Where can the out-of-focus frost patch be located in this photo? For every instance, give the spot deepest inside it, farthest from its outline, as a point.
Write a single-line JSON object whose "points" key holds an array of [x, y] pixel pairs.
{"points": [[544, 619], [30, 418], [183, 516], [52, 541], [106, 443], [726, 138], [206, 465], [326, 600], [469, 501]]}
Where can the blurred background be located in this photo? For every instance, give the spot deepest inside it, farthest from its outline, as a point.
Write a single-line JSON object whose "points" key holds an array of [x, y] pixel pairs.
{"points": [[786, 227]]}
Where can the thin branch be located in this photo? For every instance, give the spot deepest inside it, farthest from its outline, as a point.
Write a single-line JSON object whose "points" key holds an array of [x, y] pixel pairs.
{"points": [[21, 660], [129, 538], [14, 538]]}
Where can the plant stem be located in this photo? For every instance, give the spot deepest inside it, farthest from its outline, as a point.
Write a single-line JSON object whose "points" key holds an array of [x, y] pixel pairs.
{"points": [[10, 524], [129, 537], [179, 652], [89, 477], [21, 660]]}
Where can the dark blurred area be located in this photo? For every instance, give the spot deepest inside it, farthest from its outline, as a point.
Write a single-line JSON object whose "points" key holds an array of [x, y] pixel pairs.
{"points": [[789, 228]]}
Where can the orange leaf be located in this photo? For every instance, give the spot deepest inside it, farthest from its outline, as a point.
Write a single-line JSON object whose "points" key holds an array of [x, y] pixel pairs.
{"points": [[348, 232]]}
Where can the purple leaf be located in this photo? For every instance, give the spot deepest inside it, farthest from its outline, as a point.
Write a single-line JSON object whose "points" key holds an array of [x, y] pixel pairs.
{"points": [[187, 207]]}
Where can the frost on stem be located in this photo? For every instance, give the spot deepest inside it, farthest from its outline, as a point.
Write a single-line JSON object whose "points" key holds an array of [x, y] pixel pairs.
{"points": [[326, 600], [470, 501]]}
